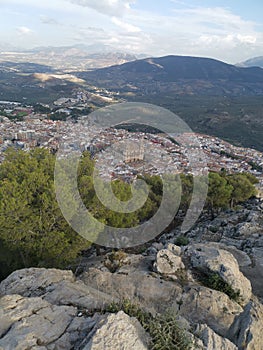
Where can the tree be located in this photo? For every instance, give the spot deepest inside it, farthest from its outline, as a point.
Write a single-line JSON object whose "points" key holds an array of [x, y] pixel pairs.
{"points": [[219, 193], [243, 188], [187, 189], [31, 224]]}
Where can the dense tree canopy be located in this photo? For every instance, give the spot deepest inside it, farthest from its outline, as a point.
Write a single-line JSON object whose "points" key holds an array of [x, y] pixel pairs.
{"points": [[32, 227], [33, 231]]}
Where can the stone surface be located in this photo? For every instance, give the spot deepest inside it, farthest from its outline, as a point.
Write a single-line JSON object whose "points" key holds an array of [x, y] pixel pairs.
{"points": [[255, 272], [27, 323], [118, 332], [247, 329], [174, 249], [213, 341], [167, 262], [56, 286], [203, 305], [209, 258], [32, 281], [246, 229], [150, 292]]}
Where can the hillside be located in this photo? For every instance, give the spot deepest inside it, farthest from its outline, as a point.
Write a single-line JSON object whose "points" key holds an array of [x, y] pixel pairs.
{"points": [[70, 58], [33, 83], [181, 75], [205, 296], [252, 62], [213, 97]]}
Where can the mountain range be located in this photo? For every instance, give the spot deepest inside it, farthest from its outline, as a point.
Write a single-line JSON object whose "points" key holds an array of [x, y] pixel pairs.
{"points": [[213, 97], [253, 62], [181, 75], [67, 58]]}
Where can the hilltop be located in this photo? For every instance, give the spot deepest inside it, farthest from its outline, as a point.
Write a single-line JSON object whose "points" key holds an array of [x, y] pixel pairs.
{"points": [[213, 97], [252, 62], [180, 74], [199, 291]]}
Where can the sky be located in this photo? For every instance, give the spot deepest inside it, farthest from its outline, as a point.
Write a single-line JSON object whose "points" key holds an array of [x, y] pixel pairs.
{"points": [[231, 31]]}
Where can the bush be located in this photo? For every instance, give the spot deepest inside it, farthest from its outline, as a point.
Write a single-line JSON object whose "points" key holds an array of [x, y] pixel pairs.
{"points": [[181, 240], [164, 330], [214, 281]]}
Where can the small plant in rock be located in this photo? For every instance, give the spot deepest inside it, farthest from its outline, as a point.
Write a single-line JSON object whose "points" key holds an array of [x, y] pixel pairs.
{"points": [[213, 229], [166, 334], [181, 241], [182, 276], [214, 281], [115, 260], [164, 330]]}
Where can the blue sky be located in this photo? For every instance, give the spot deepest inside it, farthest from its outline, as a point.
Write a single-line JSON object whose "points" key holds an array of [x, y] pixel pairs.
{"points": [[231, 30]]}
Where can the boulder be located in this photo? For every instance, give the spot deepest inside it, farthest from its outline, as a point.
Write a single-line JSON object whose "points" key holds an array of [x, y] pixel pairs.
{"points": [[247, 328], [167, 262], [27, 323], [117, 332], [203, 305], [211, 340], [212, 259], [174, 249], [33, 281], [150, 292], [55, 286]]}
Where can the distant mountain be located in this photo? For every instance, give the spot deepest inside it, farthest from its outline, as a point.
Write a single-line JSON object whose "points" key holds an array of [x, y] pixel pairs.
{"points": [[213, 97], [70, 58], [179, 74], [252, 62], [23, 67]]}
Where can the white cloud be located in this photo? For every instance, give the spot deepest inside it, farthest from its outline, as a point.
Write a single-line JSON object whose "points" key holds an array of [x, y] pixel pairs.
{"points": [[49, 20], [187, 30], [107, 7], [247, 39], [24, 30], [213, 32], [126, 26]]}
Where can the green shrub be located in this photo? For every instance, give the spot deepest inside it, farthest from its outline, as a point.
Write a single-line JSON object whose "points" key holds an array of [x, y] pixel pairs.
{"points": [[214, 281], [181, 240], [163, 329]]}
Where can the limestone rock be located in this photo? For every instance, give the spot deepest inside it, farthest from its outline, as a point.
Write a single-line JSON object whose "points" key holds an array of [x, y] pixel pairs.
{"points": [[32, 281], [55, 286], [209, 258], [167, 262], [118, 332], [150, 292], [203, 305], [247, 329], [213, 341], [174, 249], [246, 229], [34, 323]]}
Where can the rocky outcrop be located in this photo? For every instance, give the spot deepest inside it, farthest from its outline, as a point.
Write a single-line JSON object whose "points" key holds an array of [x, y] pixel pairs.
{"points": [[209, 258], [212, 341], [55, 286], [54, 310], [247, 329], [33, 323], [150, 291], [203, 305], [168, 261], [117, 331]]}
